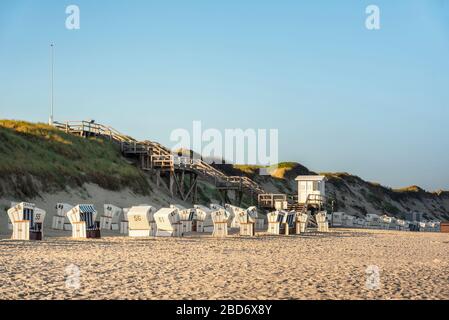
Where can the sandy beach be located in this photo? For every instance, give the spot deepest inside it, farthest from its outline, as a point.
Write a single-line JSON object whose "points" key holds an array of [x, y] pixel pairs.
{"points": [[311, 266]]}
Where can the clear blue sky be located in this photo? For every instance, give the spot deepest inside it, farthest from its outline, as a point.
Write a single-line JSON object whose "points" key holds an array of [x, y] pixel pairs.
{"points": [[372, 103]]}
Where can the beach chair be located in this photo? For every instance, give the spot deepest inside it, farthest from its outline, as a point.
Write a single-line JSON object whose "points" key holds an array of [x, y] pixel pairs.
{"points": [[360, 223], [168, 223], [140, 221], [13, 204], [247, 221], [281, 222], [82, 218], [27, 221], [289, 224], [259, 219], [124, 221], [220, 218], [337, 219], [321, 220], [347, 221], [385, 222], [202, 220], [110, 219], [301, 222], [373, 221], [217, 207], [60, 220], [186, 218], [235, 212]]}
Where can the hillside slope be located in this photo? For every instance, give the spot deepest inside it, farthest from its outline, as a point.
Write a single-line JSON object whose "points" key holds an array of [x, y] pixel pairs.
{"points": [[352, 194], [36, 158]]}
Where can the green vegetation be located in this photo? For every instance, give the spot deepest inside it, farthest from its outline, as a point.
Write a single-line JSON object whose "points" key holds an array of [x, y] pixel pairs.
{"points": [[31, 153]]}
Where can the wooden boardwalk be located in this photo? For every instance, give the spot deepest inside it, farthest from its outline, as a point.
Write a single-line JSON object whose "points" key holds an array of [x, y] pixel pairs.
{"points": [[155, 157]]}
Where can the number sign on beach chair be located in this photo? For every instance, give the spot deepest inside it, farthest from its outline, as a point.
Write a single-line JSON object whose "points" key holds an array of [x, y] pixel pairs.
{"points": [[82, 217], [140, 221], [168, 223], [27, 221]]}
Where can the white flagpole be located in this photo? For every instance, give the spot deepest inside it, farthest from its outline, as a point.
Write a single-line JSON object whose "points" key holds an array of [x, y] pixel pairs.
{"points": [[50, 121]]}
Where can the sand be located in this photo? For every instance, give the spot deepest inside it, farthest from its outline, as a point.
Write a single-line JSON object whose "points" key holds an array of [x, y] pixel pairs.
{"points": [[311, 266]]}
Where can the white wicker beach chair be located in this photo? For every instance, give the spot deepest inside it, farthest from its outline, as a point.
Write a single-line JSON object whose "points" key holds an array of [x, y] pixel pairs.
{"points": [[82, 218], [186, 218], [60, 220], [322, 223], [140, 221], [202, 219], [27, 221], [124, 224], [220, 219], [168, 223], [110, 219]]}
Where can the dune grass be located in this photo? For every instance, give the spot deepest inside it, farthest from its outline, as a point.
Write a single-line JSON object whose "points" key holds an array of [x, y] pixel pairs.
{"points": [[37, 152]]}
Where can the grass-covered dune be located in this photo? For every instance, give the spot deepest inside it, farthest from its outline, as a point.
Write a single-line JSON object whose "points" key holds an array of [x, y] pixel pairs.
{"points": [[38, 158]]}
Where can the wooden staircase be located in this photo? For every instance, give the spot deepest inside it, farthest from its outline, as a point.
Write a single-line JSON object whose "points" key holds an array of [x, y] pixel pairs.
{"points": [[154, 156]]}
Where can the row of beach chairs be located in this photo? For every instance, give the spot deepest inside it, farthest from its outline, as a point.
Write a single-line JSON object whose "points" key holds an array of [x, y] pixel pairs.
{"points": [[385, 222], [138, 221]]}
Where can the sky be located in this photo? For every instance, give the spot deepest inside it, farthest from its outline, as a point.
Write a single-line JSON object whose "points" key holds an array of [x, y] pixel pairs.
{"points": [[374, 103]]}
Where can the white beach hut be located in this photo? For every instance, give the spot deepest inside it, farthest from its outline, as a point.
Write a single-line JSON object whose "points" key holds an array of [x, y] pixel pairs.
{"points": [[27, 221], [202, 220], [60, 220], [140, 221], [221, 222], [168, 223], [82, 218], [111, 217]]}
